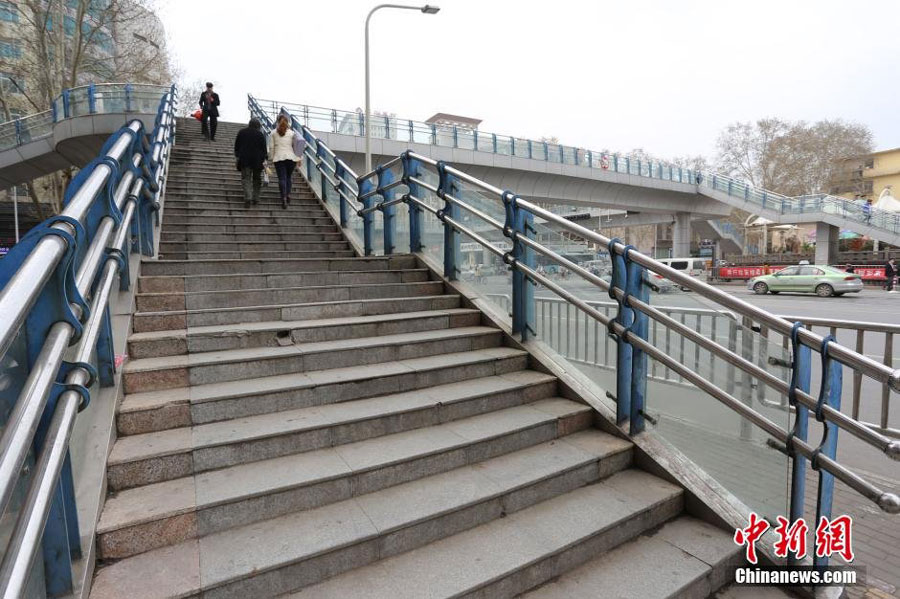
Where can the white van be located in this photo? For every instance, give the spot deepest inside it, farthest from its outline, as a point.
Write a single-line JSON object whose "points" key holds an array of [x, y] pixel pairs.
{"points": [[692, 266]]}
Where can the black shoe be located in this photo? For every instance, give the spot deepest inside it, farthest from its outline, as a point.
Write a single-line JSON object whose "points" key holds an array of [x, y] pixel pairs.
{"points": [[284, 203]]}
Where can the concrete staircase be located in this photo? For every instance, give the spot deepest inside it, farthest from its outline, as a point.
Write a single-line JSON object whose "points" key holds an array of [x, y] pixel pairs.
{"points": [[302, 421]]}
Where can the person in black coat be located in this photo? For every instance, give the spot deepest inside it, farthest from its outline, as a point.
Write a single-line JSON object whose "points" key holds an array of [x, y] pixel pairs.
{"points": [[209, 104], [890, 271], [250, 150]]}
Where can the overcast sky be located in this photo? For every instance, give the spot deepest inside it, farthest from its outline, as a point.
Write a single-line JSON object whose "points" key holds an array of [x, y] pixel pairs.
{"points": [[665, 76]]}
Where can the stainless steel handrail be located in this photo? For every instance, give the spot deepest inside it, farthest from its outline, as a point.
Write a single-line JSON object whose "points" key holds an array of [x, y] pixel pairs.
{"points": [[21, 427]]}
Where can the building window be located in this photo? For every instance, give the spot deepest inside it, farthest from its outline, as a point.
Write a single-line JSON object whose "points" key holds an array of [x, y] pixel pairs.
{"points": [[9, 12], [6, 83], [10, 49], [870, 163]]}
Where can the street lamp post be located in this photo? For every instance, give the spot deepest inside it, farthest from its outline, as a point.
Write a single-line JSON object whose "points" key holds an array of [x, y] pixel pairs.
{"points": [[428, 10]]}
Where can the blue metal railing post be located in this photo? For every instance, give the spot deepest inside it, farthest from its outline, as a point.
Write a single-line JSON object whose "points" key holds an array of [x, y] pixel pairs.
{"points": [[389, 221], [623, 317], [128, 92], [67, 112], [452, 255], [800, 381], [365, 186], [343, 189], [520, 223], [494, 141], [829, 394], [416, 215], [92, 99], [637, 288]]}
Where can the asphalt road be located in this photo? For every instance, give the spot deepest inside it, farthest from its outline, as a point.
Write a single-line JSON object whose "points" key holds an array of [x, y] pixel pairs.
{"points": [[574, 337]]}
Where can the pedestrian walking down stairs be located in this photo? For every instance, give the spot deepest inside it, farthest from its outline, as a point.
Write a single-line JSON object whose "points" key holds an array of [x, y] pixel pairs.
{"points": [[301, 421]]}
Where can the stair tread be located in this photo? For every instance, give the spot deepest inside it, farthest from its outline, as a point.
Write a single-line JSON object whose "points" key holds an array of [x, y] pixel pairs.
{"points": [[233, 389], [304, 287], [287, 305], [662, 563], [472, 559], [257, 353], [292, 273], [359, 455], [496, 547], [166, 499], [278, 325]]}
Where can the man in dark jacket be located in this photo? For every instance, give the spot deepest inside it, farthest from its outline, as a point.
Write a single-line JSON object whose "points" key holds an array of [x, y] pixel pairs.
{"points": [[250, 151], [209, 104], [890, 271]]}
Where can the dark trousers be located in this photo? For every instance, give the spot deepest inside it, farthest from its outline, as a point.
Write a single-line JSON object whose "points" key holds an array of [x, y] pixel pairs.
{"points": [[285, 168], [251, 180], [889, 284], [208, 125]]}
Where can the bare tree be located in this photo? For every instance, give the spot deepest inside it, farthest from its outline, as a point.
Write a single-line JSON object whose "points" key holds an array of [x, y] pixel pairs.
{"points": [[792, 158], [65, 43]]}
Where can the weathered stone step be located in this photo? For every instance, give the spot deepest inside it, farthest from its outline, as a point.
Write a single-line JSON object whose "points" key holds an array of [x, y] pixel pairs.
{"points": [[182, 226], [497, 558], [209, 267], [180, 319], [287, 217], [236, 204], [159, 410], [144, 518], [176, 283], [171, 237], [254, 255], [169, 247], [282, 554], [232, 298], [509, 555], [178, 184], [280, 333], [169, 372], [685, 558], [148, 458]]}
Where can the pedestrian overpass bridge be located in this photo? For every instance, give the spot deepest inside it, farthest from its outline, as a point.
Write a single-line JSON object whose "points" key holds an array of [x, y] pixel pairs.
{"points": [[72, 132], [556, 173], [211, 399]]}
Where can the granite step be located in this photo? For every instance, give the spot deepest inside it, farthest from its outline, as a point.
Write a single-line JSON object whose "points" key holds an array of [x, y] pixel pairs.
{"points": [[281, 333], [181, 319], [148, 458], [167, 247], [255, 255], [301, 548], [230, 298], [169, 372], [154, 411], [175, 283], [684, 558], [144, 518], [510, 555]]}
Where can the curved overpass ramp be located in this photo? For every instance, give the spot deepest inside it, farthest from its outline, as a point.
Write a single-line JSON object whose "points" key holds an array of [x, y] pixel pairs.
{"points": [[40, 144]]}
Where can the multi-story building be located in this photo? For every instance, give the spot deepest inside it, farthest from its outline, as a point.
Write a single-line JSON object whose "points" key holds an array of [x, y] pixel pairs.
{"points": [[866, 177], [113, 40]]}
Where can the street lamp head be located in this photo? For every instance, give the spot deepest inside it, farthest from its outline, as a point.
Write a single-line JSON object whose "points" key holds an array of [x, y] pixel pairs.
{"points": [[430, 10]]}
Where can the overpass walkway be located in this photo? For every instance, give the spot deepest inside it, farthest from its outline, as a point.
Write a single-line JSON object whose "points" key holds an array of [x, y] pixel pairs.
{"points": [[565, 174], [283, 405], [72, 132]]}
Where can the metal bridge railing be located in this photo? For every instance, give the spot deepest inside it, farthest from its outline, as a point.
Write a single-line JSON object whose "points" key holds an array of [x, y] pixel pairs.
{"points": [[103, 98], [56, 337], [428, 188], [390, 127]]}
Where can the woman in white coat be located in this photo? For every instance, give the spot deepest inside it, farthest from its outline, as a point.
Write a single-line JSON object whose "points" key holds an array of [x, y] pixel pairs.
{"points": [[282, 145]]}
